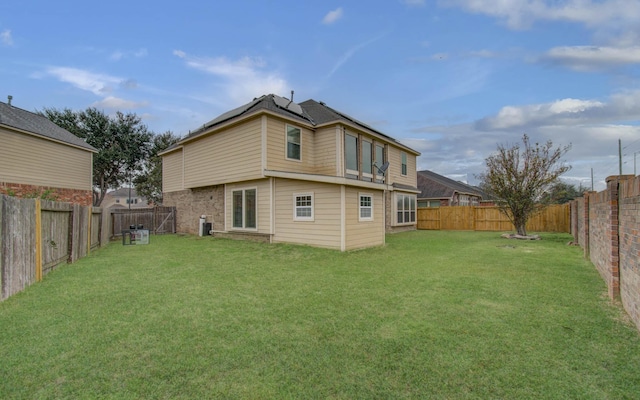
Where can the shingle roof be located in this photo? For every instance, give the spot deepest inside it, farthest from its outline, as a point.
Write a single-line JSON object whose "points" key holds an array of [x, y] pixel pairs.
{"points": [[309, 112], [434, 186], [27, 121]]}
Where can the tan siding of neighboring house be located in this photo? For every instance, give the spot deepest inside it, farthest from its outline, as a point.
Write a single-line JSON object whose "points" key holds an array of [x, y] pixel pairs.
{"points": [[324, 230], [327, 141], [263, 200], [230, 155], [27, 159], [276, 148], [395, 167], [172, 172], [360, 234]]}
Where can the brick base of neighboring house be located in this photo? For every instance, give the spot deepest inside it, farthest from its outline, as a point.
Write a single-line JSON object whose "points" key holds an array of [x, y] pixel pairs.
{"points": [[76, 196]]}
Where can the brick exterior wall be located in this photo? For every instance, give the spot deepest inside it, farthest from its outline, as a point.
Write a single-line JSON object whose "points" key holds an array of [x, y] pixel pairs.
{"points": [[190, 204], [75, 196], [630, 247], [608, 229]]}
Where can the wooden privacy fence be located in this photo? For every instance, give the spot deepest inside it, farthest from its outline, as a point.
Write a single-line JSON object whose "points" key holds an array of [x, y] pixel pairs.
{"points": [[555, 218], [157, 219], [37, 235]]}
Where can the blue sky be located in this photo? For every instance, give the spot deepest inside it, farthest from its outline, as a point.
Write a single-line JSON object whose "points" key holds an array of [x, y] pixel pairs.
{"points": [[450, 78]]}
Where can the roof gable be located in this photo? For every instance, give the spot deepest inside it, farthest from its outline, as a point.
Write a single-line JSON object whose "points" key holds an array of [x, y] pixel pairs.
{"points": [[39, 125]]}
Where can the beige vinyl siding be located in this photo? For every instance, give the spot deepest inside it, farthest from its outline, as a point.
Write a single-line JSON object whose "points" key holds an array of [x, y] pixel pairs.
{"points": [[30, 160], [172, 172], [360, 234], [276, 148], [326, 141], [395, 168], [263, 200], [324, 230], [230, 155]]}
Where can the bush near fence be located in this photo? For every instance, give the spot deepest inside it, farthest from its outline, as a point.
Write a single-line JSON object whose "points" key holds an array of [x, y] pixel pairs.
{"points": [[555, 218], [37, 235]]}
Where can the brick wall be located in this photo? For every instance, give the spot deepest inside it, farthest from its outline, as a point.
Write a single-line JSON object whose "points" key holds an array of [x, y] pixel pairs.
{"points": [[75, 196], [190, 204], [608, 229]]}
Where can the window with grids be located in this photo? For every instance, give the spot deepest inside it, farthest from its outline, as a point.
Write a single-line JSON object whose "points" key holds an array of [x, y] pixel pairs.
{"points": [[293, 142], [244, 208], [303, 207], [405, 208], [366, 207]]}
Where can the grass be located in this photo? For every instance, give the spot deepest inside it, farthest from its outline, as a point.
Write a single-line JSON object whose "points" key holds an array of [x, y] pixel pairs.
{"points": [[441, 315]]}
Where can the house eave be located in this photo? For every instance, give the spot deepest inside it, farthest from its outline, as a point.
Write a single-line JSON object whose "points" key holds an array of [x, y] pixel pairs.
{"points": [[336, 180], [39, 136]]}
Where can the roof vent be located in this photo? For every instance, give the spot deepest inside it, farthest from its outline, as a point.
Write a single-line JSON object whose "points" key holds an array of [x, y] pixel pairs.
{"points": [[9, 97]]}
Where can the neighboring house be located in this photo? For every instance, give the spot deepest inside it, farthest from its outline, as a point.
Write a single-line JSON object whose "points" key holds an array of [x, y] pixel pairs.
{"points": [[39, 158], [124, 198], [437, 190], [279, 171]]}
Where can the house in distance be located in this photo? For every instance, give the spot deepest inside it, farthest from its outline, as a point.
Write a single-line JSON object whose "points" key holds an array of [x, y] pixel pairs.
{"points": [[279, 171]]}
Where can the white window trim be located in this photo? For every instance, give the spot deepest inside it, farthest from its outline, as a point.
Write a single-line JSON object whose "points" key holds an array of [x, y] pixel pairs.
{"points": [[286, 142], [244, 207], [360, 207], [396, 209], [351, 171], [295, 207]]}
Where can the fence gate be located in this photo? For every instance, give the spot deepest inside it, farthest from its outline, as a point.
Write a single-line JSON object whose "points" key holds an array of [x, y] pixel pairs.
{"points": [[157, 219]]}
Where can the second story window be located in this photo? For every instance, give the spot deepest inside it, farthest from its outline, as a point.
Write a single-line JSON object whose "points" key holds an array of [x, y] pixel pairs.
{"points": [[293, 142], [351, 154], [379, 162], [404, 163], [367, 147]]}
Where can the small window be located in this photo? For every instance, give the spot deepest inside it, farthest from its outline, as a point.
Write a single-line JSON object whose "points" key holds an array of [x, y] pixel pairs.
{"points": [[404, 163], [303, 207], [366, 207], [293, 143], [367, 163]]}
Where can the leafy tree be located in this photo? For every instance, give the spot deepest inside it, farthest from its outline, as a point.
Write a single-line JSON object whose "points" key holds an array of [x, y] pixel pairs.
{"points": [[149, 183], [122, 141], [561, 192], [520, 178]]}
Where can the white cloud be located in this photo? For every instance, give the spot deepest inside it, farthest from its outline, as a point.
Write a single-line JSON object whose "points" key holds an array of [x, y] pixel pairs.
{"points": [[588, 58], [332, 16], [98, 84], [520, 14], [118, 55], [6, 38], [242, 79], [115, 103], [624, 106]]}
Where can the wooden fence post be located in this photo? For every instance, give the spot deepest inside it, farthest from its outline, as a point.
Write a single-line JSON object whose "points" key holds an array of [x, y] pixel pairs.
{"points": [[38, 232]]}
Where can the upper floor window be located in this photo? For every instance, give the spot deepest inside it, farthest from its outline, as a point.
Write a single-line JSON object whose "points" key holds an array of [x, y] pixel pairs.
{"points": [[303, 207], [293, 142], [379, 160], [367, 162], [366, 207], [351, 154], [245, 208], [404, 163], [406, 208]]}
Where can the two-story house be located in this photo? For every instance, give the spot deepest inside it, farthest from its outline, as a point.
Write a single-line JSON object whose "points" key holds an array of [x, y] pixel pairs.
{"points": [[280, 171], [38, 157]]}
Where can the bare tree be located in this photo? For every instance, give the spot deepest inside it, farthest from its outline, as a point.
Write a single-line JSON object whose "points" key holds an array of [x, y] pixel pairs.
{"points": [[520, 178]]}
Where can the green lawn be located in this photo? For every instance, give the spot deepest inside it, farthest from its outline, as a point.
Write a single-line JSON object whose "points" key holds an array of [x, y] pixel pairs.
{"points": [[440, 315]]}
